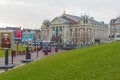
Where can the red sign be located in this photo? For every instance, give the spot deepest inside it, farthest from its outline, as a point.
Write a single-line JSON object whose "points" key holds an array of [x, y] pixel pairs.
{"points": [[17, 34]]}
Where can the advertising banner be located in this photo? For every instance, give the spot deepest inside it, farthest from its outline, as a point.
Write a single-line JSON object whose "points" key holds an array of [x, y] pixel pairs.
{"points": [[27, 38], [17, 34], [6, 40]]}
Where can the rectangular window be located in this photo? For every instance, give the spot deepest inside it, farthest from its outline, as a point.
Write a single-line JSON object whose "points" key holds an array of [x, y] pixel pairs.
{"points": [[70, 32], [56, 31]]}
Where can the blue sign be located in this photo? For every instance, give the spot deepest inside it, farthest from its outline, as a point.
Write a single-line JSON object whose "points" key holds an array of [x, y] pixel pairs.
{"points": [[27, 38], [41, 43]]}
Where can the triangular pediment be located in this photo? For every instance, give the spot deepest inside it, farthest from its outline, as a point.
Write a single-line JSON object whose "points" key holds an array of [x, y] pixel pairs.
{"points": [[57, 21]]}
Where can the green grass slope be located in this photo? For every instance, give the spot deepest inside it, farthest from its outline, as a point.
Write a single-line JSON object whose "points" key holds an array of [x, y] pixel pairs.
{"points": [[20, 48], [100, 62]]}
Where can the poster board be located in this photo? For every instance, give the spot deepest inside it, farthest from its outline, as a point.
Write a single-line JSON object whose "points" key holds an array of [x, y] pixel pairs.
{"points": [[17, 34], [27, 39], [6, 39]]}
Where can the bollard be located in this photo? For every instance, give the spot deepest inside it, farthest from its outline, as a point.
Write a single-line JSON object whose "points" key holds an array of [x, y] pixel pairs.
{"points": [[37, 51], [50, 49], [45, 52], [12, 55], [41, 47], [15, 54]]}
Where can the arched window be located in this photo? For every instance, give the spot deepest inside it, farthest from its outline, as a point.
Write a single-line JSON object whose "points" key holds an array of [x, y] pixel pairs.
{"points": [[85, 21], [81, 33]]}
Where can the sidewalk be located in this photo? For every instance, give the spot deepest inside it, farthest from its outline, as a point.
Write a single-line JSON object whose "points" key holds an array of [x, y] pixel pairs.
{"points": [[17, 59]]}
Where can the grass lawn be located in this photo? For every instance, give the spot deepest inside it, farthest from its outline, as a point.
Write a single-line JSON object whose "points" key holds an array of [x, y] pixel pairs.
{"points": [[100, 62], [2, 52]]}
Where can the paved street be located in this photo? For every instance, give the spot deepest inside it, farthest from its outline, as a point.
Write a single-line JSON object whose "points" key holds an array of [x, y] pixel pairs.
{"points": [[17, 59]]}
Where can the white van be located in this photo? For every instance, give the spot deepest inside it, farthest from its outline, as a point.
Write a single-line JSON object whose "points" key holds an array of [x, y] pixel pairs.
{"points": [[117, 36]]}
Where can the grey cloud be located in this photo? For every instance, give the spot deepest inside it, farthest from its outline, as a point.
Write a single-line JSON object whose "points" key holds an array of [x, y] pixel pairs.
{"points": [[29, 13]]}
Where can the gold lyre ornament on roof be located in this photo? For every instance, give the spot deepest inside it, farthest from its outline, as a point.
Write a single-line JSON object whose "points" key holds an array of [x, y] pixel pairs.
{"points": [[64, 11]]}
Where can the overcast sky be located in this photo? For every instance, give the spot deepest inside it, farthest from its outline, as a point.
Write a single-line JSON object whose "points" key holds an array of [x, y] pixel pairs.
{"points": [[31, 13]]}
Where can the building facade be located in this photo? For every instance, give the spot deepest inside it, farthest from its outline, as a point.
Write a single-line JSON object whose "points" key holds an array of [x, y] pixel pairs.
{"points": [[114, 27], [70, 29]]}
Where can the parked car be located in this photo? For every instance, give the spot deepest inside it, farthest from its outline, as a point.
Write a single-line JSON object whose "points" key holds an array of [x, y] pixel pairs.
{"points": [[48, 48], [68, 47]]}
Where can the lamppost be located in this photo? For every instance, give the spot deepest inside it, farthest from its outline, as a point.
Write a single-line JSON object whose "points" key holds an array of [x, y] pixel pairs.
{"points": [[37, 48], [17, 43], [36, 44], [60, 39]]}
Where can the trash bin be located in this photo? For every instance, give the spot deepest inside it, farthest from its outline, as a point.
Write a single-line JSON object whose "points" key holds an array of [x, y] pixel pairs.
{"points": [[56, 49]]}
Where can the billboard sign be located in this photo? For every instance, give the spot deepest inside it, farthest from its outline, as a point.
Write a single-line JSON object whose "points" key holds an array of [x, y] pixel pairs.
{"points": [[6, 40], [17, 34], [27, 38]]}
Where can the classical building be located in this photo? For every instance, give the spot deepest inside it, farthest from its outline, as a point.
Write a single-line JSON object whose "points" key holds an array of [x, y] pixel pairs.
{"points": [[70, 29], [114, 26]]}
